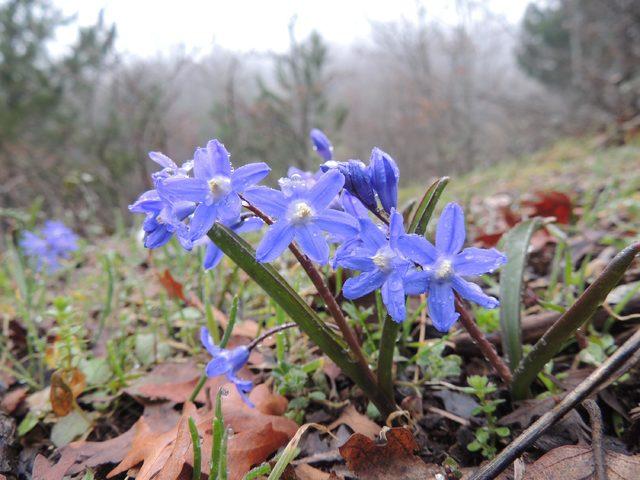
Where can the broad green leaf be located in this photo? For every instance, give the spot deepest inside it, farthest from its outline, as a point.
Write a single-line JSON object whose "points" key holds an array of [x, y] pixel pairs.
{"points": [[581, 311], [268, 278], [424, 209], [515, 245]]}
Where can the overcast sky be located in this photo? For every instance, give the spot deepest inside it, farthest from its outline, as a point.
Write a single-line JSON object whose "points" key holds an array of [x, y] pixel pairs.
{"points": [[148, 27]]}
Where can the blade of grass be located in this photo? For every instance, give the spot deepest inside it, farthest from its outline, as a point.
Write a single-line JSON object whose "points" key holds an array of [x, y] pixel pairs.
{"points": [[424, 209], [581, 311], [197, 453], [515, 245]]}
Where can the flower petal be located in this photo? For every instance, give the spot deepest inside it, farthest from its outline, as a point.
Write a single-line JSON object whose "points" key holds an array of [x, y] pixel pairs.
{"points": [[184, 189], [442, 308], [203, 219], [157, 238], [384, 177], [205, 339], [416, 282], [270, 201], [276, 239], [353, 262], [450, 233], [229, 207], [336, 222], [472, 292], [356, 287], [162, 160], [218, 366], [311, 241], [325, 189], [321, 143], [476, 261], [418, 249], [219, 158], [202, 165], [393, 297], [248, 175], [396, 228], [212, 256], [251, 224], [372, 237]]}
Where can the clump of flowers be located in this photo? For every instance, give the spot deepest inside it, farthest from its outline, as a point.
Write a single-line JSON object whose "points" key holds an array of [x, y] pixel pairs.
{"points": [[49, 245], [345, 207]]}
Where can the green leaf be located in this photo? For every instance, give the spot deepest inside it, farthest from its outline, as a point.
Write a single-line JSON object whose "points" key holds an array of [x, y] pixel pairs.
{"points": [[474, 446], [515, 245], [69, 427], [268, 278], [426, 206], [582, 310], [502, 431], [28, 423]]}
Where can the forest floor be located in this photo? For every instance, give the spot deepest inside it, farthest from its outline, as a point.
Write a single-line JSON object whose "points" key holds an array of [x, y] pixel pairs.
{"points": [[99, 360]]}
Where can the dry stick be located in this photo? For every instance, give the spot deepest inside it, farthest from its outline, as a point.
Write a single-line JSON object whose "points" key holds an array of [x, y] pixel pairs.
{"points": [[599, 460], [611, 368], [485, 346], [327, 296]]}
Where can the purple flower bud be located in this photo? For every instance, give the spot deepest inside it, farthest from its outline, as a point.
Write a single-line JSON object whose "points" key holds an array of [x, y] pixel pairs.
{"points": [[384, 178], [356, 180], [321, 144]]}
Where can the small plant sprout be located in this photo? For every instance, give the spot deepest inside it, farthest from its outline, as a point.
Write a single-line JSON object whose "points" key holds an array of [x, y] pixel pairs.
{"points": [[488, 434]]}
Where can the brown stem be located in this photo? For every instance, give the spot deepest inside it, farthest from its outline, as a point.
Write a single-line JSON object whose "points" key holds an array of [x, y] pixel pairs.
{"points": [[327, 296], [485, 346]]}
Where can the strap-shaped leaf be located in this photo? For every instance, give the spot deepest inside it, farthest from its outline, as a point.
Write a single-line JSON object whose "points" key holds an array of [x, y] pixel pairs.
{"points": [[581, 311], [426, 206], [515, 245], [284, 295]]}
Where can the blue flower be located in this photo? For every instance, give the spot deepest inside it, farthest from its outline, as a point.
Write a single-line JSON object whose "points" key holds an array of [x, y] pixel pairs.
{"points": [[227, 362], [169, 167], [357, 180], [321, 144], [215, 187], [382, 266], [302, 216], [213, 254], [446, 264], [163, 219], [384, 178], [53, 242]]}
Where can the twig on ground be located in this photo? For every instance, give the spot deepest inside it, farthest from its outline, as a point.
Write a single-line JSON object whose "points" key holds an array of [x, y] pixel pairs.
{"points": [[608, 371], [599, 458]]}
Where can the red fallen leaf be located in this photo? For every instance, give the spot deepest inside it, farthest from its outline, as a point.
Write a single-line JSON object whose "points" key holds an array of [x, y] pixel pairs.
{"points": [[66, 386], [172, 286], [12, 400], [551, 204], [391, 461]]}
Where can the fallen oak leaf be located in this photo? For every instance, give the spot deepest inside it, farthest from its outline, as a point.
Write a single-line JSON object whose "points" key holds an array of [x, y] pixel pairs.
{"points": [[575, 462], [391, 461], [12, 400], [358, 422]]}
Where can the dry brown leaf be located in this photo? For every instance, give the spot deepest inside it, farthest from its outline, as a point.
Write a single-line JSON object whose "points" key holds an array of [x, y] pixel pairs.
{"points": [[574, 462], [66, 385], [13, 399], [358, 422], [77, 456], [391, 461], [267, 402], [173, 382], [307, 472]]}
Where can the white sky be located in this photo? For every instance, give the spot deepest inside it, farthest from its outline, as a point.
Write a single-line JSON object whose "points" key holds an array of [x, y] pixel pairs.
{"points": [[149, 27]]}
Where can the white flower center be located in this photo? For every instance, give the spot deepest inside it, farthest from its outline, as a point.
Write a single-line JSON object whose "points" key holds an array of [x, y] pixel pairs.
{"points": [[444, 270], [220, 186], [159, 219], [383, 258], [301, 212]]}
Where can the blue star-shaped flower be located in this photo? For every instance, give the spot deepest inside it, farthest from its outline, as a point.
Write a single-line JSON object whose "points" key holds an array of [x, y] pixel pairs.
{"points": [[446, 265], [382, 264], [302, 215], [227, 362], [215, 186], [53, 242]]}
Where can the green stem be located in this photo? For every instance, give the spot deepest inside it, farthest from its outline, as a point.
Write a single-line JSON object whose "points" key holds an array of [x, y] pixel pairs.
{"points": [[385, 359], [581, 311], [267, 277]]}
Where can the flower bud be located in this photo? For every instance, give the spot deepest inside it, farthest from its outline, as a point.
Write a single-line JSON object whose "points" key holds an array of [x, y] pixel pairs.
{"points": [[384, 176]]}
